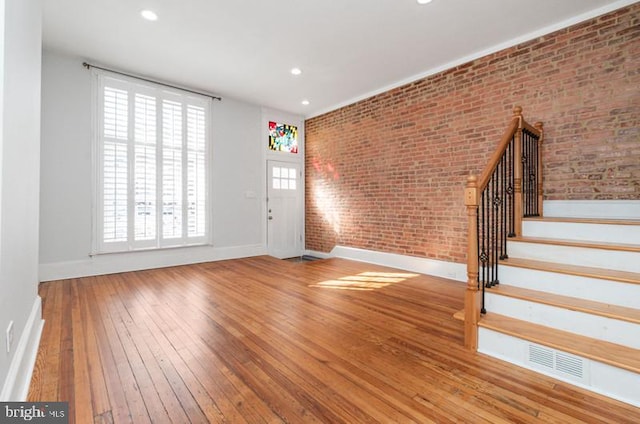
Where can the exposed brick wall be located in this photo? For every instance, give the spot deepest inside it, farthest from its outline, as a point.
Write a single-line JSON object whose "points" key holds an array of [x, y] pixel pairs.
{"points": [[388, 173]]}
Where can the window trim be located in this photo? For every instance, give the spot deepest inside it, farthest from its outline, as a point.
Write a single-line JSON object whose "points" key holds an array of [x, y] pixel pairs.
{"points": [[161, 93]]}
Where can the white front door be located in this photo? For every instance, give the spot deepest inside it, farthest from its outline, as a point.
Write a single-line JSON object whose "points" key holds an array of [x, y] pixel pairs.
{"points": [[284, 210]]}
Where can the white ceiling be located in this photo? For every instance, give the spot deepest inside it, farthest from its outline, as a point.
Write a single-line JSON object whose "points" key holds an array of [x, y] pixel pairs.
{"points": [[347, 49]]}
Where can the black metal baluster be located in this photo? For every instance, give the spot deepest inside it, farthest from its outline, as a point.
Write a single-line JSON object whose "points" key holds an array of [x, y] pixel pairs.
{"points": [[481, 236], [488, 235], [503, 194], [510, 190], [525, 181], [500, 220], [536, 163], [491, 227], [482, 280], [478, 231], [496, 223], [525, 172], [530, 175]]}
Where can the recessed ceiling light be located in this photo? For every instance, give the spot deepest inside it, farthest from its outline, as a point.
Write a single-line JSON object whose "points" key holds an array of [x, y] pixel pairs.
{"points": [[296, 71], [149, 15], [424, 1], [305, 102]]}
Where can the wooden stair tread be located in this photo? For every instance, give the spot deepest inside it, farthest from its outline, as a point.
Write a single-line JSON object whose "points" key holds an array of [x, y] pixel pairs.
{"points": [[607, 221], [583, 271], [606, 352], [574, 304], [579, 243]]}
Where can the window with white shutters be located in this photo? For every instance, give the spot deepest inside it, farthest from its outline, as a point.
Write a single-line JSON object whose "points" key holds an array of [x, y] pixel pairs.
{"points": [[151, 166]]}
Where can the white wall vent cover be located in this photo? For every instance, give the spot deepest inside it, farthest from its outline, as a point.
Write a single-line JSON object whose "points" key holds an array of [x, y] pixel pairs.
{"points": [[558, 363]]}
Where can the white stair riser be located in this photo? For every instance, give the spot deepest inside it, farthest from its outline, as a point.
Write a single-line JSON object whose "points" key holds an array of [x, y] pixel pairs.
{"points": [[598, 209], [611, 233], [598, 290], [598, 258], [594, 326], [607, 380]]}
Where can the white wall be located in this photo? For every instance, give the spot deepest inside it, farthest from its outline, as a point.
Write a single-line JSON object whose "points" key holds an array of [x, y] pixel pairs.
{"points": [[238, 182], [239, 142], [65, 169], [19, 189]]}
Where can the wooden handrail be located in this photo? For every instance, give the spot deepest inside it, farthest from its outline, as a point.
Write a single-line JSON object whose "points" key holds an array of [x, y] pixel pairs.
{"points": [[516, 122], [513, 136]]}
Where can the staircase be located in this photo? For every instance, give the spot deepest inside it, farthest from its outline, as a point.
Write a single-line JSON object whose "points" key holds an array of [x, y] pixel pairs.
{"points": [[568, 303], [556, 292]]}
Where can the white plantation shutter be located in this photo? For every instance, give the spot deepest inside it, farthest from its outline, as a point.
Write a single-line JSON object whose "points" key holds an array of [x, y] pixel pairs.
{"points": [[145, 213], [171, 169], [115, 173], [151, 166], [196, 183]]}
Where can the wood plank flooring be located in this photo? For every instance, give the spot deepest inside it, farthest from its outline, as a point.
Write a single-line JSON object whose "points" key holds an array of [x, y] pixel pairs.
{"points": [[260, 340]]}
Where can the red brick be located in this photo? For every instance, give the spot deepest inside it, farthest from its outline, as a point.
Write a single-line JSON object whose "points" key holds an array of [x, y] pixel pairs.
{"points": [[387, 173]]}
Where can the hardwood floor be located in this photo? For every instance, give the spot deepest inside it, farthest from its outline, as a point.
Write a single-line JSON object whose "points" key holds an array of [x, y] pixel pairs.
{"points": [[260, 340]]}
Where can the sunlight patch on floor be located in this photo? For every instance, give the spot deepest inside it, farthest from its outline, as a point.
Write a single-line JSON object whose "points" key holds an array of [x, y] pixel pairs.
{"points": [[365, 281]]}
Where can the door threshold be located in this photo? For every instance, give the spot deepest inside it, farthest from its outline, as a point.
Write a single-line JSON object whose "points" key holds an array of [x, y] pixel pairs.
{"points": [[303, 258]]}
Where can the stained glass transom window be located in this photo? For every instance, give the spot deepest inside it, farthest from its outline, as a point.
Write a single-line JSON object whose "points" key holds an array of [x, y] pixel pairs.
{"points": [[283, 137]]}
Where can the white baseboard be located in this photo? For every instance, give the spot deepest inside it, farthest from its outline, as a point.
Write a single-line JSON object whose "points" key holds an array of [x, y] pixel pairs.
{"points": [[16, 385], [451, 270], [136, 261], [604, 209]]}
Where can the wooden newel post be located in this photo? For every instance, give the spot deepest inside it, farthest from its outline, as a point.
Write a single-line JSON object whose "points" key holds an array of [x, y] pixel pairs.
{"points": [[471, 297], [540, 127], [517, 172]]}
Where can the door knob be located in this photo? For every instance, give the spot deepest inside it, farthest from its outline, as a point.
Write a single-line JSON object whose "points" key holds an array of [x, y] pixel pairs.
{"points": [[270, 218]]}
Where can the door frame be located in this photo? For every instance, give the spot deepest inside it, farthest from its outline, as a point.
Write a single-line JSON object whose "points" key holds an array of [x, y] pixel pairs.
{"points": [[297, 158]]}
